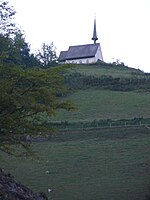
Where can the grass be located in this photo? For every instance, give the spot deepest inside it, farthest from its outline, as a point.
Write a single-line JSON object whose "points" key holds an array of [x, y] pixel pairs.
{"points": [[114, 71], [107, 164], [104, 104]]}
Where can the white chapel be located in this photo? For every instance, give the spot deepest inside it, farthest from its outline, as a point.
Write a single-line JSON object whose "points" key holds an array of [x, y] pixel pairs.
{"points": [[83, 54]]}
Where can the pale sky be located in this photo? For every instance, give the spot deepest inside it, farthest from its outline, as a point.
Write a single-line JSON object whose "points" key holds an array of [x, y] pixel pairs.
{"points": [[123, 26]]}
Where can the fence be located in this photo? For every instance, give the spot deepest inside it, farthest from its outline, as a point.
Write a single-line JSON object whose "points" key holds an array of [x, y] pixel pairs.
{"points": [[101, 124]]}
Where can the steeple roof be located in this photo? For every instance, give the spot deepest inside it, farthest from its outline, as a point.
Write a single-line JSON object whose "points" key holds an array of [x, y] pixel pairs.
{"points": [[94, 32]]}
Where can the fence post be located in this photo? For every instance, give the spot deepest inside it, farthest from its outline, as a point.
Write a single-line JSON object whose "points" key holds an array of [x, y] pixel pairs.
{"points": [[140, 123]]}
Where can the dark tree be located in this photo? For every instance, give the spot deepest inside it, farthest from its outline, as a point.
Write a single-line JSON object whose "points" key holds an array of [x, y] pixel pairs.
{"points": [[24, 94], [16, 51], [21, 52]]}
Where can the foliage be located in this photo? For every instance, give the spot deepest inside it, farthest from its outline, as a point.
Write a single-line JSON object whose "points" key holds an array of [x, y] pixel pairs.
{"points": [[13, 47], [21, 50], [5, 45], [7, 12], [47, 55], [16, 51], [25, 93]]}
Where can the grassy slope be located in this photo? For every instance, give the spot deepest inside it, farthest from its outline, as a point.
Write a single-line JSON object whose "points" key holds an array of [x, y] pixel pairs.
{"points": [[109, 164], [104, 104]]}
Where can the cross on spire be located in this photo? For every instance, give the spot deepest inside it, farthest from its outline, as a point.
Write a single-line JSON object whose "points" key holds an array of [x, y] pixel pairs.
{"points": [[94, 32]]}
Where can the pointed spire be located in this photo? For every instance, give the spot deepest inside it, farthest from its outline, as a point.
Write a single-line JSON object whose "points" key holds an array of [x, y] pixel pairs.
{"points": [[94, 32]]}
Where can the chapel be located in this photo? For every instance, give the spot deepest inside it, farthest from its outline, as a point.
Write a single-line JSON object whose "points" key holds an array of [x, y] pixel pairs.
{"points": [[83, 54]]}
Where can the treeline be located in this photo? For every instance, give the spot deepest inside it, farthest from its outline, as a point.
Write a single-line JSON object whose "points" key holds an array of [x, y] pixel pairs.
{"points": [[15, 50], [80, 81]]}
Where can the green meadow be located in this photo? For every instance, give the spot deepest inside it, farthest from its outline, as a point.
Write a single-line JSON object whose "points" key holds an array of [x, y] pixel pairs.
{"points": [[94, 104], [105, 164]]}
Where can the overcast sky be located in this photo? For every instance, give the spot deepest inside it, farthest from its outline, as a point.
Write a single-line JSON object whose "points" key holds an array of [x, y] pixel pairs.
{"points": [[123, 26]]}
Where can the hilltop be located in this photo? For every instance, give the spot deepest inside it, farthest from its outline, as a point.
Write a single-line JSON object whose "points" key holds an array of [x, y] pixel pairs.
{"points": [[110, 69], [108, 76]]}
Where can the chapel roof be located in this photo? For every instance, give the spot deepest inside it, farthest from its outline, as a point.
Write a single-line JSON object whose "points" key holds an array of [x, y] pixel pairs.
{"points": [[79, 51]]}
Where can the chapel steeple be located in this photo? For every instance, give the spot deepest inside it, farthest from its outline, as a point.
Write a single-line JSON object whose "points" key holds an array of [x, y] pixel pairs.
{"points": [[94, 32]]}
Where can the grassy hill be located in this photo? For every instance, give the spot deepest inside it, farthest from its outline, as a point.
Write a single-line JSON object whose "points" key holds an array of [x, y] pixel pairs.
{"points": [[101, 163], [106, 92]]}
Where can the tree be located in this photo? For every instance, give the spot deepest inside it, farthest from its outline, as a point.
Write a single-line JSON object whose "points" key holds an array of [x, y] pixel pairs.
{"points": [[5, 45], [16, 51], [24, 94], [47, 55], [7, 12], [13, 47], [21, 52]]}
